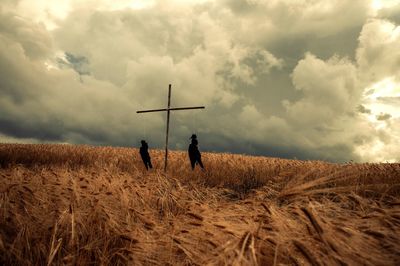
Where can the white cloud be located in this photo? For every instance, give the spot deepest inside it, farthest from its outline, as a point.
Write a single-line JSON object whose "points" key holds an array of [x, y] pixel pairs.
{"points": [[232, 56], [378, 53], [330, 90]]}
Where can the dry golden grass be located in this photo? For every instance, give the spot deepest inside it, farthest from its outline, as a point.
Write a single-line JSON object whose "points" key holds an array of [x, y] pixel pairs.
{"points": [[81, 205]]}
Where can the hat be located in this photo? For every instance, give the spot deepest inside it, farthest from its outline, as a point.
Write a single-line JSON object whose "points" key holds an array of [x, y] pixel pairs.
{"points": [[193, 136]]}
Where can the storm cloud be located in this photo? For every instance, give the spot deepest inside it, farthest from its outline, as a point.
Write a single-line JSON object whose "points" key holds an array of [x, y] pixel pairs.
{"points": [[304, 79]]}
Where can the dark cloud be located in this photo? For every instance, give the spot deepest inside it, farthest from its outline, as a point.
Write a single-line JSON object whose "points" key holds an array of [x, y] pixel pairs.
{"points": [[46, 130], [390, 100], [362, 109], [278, 78], [391, 13], [383, 117]]}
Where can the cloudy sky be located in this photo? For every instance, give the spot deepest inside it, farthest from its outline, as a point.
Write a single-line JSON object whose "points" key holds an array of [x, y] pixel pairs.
{"points": [[306, 79]]}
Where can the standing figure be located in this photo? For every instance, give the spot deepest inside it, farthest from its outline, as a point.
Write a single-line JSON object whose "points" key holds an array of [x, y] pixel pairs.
{"points": [[194, 153], [144, 153]]}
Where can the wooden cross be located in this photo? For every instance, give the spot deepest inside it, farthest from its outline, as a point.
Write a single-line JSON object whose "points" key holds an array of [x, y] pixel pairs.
{"points": [[168, 109]]}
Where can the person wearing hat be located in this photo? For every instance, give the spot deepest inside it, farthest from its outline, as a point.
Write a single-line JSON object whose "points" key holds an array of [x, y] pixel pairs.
{"points": [[194, 153], [144, 153]]}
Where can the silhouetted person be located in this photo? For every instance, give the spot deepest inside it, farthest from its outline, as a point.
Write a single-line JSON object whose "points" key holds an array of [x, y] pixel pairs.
{"points": [[194, 153], [144, 153]]}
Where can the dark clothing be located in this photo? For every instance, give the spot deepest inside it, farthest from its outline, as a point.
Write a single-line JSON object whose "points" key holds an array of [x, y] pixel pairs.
{"points": [[144, 153], [194, 154]]}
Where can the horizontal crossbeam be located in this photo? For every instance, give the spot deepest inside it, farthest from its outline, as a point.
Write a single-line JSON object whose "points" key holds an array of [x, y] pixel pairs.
{"points": [[171, 109]]}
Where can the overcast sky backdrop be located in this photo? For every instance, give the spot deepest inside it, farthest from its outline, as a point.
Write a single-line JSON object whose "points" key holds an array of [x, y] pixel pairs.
{"points": [[311, 79]]}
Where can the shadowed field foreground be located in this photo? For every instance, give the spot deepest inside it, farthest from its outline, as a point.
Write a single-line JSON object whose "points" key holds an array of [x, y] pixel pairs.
{"points": [[83, 205]]}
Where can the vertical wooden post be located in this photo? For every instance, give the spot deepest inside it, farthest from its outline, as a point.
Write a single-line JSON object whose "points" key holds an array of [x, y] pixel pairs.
{"points": [[166, 137], [168, 110]]}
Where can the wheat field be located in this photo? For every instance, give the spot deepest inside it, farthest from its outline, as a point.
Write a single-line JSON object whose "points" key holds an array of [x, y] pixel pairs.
{"points": [[83, 205]]}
